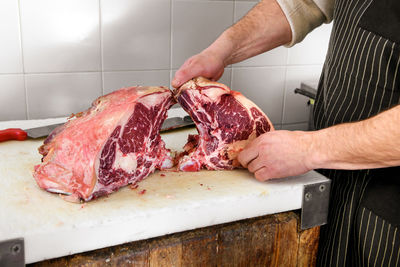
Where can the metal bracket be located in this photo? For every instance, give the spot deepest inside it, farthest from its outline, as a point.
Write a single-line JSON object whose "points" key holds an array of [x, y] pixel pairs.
{"points": [[315, 204], [308, 92], [12, 253]]}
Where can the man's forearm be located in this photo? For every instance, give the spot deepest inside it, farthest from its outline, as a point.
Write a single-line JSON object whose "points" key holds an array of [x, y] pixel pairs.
{"points": [[372, 143], [263, 28]]}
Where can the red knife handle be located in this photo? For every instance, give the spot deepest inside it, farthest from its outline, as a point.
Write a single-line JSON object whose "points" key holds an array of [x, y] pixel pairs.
{"points": [[13, 134]]}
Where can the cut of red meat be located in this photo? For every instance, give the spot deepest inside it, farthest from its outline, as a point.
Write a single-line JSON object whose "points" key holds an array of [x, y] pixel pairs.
{"points": [[114, 143], [226, 121]]}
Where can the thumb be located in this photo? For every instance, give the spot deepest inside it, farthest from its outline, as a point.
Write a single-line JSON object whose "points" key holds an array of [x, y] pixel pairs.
{"points": [[185, 73], [176, 82], [182, 75]]}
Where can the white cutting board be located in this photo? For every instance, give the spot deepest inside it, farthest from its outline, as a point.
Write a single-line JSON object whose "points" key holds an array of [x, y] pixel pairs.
{"points": [[172, 202]]}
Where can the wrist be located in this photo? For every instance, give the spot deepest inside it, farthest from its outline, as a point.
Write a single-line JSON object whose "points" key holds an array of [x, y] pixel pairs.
{"points": [[221, 49], [316, 156]]}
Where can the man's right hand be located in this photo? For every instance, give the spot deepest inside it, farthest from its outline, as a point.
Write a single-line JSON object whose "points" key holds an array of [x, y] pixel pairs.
{"points": [[263, 28], [207, 64]]}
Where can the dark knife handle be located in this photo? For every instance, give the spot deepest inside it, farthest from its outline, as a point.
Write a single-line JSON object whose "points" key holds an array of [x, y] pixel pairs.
{"points": [[13, 134], [309, 92]]}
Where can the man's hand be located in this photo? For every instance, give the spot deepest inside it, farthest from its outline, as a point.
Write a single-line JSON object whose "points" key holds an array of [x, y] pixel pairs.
{"points": [[367, 144], [207, 64], [263, 28], [278, 154]]}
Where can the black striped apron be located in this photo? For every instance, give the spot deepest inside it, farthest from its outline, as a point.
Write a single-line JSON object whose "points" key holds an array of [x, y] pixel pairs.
{"points": [[361, 78]]}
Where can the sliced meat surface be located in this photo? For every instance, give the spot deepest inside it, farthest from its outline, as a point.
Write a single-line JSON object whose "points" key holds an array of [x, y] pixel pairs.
{"points": [[114, 143], [226, 122]]}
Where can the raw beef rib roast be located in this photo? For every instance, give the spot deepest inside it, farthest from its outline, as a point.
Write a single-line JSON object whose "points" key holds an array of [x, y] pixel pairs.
{"points": [[114, 143], [226, 121]]}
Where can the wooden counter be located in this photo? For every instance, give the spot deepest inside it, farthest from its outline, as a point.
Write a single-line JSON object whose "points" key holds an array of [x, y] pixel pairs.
{"points": [[271, 240]]}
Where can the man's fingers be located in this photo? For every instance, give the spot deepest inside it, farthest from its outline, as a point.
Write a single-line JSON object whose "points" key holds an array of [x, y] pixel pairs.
{"points": [[247, 155], [218, 75], [193, 67], [185, 74], [176, 82], [181, 76], [255, 165], [263, 174]]}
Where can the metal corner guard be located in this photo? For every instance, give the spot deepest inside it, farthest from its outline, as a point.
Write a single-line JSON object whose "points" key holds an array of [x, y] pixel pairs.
{"points": [[12, 253], [315, 203]]}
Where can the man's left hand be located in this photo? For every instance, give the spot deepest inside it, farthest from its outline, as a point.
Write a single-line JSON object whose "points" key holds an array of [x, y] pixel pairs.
{"points": [[278, 154]]}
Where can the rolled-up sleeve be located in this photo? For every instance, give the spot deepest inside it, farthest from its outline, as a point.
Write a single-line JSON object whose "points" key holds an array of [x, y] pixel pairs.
{"points": [[306, 15]]}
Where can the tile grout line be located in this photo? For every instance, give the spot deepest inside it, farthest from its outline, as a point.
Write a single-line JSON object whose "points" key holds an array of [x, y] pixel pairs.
{"points": [[167, 69], [293, 123], [284, 87], [83, 71], [223, 1], [23, 60], [170, 41], [275, 66], [233, 21], [101, 49]]}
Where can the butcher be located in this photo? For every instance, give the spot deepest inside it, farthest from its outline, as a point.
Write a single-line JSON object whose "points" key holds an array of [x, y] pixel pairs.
{"points": [[357, 117]]}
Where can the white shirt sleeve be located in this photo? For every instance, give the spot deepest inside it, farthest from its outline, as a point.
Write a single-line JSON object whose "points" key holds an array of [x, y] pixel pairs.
{"points": [[306, 15]]}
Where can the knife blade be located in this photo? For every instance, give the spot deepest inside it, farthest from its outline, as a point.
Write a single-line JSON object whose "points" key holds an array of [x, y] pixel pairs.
{"points": [[176, 122], [21, 135], [43, 131]]}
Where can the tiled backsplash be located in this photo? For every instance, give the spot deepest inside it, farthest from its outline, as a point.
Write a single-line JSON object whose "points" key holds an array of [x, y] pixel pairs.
{"points": [[57, 56]]}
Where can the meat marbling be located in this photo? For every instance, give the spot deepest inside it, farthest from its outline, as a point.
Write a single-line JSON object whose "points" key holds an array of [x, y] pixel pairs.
{"points": [[226, 122], [114, 143]]}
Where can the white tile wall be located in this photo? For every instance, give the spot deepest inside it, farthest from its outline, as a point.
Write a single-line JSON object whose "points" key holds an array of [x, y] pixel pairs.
{"points": [[10, 47], [264, 86], [55, 95], [277, 56], [119, 79], [295, 105], [57, 56], [136, 34], [312, 49], [60, 35], [12, 97], [196, 24]]}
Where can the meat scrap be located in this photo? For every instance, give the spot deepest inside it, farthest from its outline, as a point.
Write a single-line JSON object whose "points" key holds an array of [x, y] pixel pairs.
{"points": [[142, 192], [114, 143], [226, 122]]}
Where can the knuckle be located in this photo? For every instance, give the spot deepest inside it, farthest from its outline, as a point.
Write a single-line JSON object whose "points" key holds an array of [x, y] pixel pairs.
{"points": [[262, 156], [193, 60], [183, 72], [263, 141]]}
